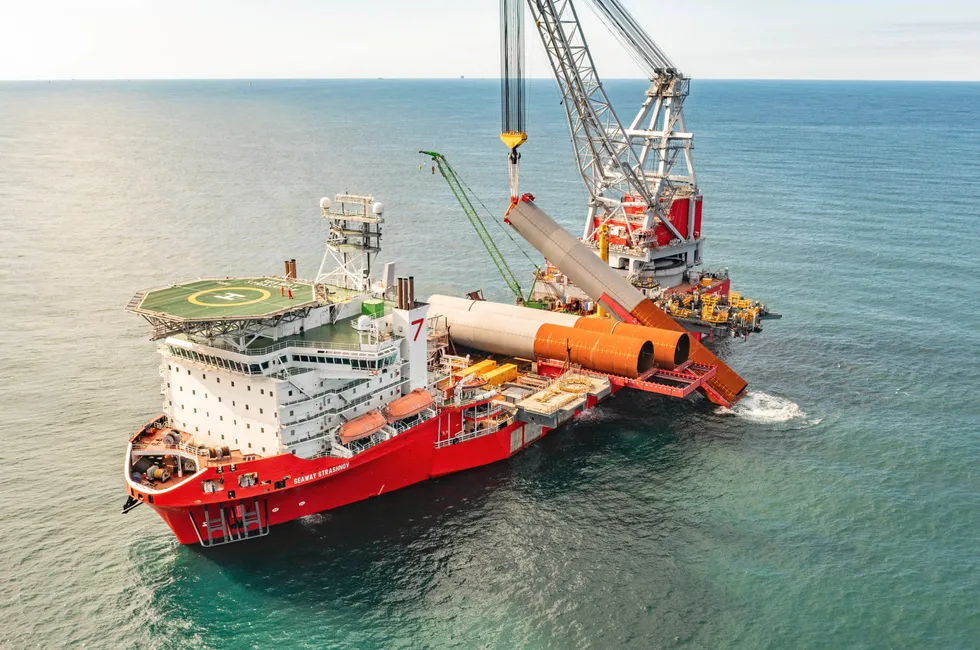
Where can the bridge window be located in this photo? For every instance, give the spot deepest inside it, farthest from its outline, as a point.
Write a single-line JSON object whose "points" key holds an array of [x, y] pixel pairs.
{"points": [[218, 380], [261, 411], [262, 391]]}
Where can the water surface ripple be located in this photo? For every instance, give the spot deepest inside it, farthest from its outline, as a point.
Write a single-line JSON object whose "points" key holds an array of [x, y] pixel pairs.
{"points": [[835, 507]]}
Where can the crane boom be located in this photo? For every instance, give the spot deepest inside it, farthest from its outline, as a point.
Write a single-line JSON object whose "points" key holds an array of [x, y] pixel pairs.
{"points": [[458, 190], [607, 160]]}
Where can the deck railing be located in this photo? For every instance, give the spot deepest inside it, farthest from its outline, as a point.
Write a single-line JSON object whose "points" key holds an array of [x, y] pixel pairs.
{"points": [[194, 452], [383, 344], [476, 433]]}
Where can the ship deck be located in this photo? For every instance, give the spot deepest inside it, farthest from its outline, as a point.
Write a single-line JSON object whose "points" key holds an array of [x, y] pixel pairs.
{"points": [[342, 332], [149, 442]]}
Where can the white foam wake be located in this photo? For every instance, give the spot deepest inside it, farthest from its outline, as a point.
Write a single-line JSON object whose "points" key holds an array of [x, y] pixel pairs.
{"points": [[767, 409]]}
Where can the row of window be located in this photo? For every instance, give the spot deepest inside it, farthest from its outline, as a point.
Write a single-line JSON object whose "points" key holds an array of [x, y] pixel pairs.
{"points": [[204, 376], [257, 368], [221, 417], [244, 368], [355, 364], [233, 403]]}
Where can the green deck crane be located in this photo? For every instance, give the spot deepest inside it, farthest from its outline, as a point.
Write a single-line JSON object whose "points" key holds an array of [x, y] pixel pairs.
{"points": [[459, 191]]}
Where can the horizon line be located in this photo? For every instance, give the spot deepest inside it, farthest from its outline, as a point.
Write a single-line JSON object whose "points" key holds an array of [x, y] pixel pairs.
{"points": [[465, 78]]}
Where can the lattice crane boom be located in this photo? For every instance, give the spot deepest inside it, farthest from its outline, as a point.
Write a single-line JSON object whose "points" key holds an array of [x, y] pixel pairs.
{"points": [[456, 185], [626, 170]]}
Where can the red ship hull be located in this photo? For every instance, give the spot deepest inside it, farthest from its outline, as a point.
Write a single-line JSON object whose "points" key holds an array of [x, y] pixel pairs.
{"points": [[290, 487]]}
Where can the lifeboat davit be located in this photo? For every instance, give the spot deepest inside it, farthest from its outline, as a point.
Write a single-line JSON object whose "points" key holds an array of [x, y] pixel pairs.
{"points": [[362, 426], [412, 404]]}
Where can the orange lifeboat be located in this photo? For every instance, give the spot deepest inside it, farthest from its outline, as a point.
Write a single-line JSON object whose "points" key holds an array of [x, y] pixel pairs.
{"points": [[412, 404], [475, 382], [362, 426]]}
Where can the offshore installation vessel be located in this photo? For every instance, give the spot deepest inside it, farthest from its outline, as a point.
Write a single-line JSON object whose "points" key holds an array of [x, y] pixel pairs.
{"points": [[285, 397]]}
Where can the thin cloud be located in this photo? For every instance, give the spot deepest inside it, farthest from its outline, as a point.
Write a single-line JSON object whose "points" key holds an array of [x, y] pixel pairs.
{"points": [[933, 28]]}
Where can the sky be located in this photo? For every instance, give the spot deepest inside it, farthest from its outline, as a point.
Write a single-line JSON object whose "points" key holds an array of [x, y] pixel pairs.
{"points": [[209, 39]]}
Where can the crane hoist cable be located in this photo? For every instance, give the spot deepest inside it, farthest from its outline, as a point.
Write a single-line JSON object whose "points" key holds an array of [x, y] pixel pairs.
{"points": [[513, 110], [632, 36], [464, 194]]}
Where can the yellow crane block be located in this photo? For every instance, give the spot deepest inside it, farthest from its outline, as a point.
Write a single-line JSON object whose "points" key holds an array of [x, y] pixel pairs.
{"points": [[501, 375], [479, 368], [513, 139]]}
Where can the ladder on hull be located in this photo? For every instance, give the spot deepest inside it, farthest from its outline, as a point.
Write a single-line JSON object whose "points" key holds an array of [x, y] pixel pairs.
{"points": [[232, 523]]}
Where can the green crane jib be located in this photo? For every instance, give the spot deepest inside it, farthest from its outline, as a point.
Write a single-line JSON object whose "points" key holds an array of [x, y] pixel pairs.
{"points": [[456, 185]]}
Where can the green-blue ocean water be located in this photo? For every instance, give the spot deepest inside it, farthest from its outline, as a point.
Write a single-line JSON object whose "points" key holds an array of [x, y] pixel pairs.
{"points": [[836, 507]]}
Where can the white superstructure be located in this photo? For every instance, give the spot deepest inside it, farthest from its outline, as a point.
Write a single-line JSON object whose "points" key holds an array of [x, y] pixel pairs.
{"points": [[287, 380]]}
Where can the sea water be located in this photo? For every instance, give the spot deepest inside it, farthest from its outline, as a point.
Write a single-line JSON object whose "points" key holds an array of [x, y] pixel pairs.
{"points": [[835, 506]]}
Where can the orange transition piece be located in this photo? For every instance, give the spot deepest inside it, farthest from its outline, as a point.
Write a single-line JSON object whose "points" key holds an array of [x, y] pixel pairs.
{"points": [[608, 353], [670, 348], [726, 387]]}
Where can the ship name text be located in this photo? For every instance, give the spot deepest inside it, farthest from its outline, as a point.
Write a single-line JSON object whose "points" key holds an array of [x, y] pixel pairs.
{"points": [[320, 474]]}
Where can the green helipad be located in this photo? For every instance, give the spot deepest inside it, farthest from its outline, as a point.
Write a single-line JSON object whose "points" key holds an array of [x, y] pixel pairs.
{"points": [[231, 298]]}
